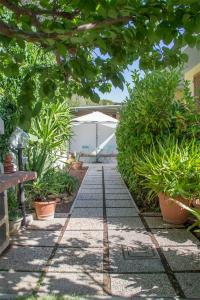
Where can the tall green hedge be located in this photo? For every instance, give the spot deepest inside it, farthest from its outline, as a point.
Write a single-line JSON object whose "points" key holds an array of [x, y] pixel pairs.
{"points": [[150, 114]]}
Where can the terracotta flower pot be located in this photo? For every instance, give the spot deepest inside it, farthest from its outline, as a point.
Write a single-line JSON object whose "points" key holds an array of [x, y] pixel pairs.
{"points": [[45, 210], [8, 164], [171, 211], [76, 165]]}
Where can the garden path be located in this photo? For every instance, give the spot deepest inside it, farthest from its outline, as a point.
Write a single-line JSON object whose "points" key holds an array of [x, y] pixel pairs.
{"points": [[103, 249]]}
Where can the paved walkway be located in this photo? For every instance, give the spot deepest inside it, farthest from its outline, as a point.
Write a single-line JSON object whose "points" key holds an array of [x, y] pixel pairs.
{"points": [[103, 248]]}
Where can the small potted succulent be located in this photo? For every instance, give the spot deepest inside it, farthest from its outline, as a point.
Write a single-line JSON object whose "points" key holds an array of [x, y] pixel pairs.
{"points": [[171, 171], [74, 162]]}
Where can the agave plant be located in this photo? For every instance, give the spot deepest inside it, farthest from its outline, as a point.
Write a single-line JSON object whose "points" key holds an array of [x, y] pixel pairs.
{"points": [[171, 168]]}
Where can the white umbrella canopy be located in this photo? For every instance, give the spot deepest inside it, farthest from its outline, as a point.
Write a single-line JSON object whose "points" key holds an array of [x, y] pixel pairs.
{"points": [[95, 117]]}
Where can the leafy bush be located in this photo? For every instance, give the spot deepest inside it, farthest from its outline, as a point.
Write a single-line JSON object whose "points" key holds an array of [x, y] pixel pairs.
{"points": [[171, 168], [13, 204], [151, 113], [53, 182], [49, 133]]}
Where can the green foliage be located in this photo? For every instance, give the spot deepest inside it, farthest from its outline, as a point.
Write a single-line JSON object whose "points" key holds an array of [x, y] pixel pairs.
{"points": [[49, 133], [9, 112], [53, 182], [13, 204], [150, 114], [88, 44], [171, 168]]}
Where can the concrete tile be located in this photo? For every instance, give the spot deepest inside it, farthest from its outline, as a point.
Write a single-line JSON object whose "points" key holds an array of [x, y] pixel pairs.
{"points": [[61, 215], [25, 258], [91, 186], [71, 260], [36, 238], [55, 224], [127, 223], [82, 239], [183, 258], [18, 283], [175, 237], [120, 262], [141, 285], [121, 212], [114, 185], [157, 222], [92, 181], [87, 212], [85, 224], [88, 203], [131, 237], [89, 196], [119, 203], [117, 197], [91, 190], [78, 284], [116, 191], [190, 284]]}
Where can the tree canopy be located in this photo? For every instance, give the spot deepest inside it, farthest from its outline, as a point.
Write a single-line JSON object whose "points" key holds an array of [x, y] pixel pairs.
{"points": [[90, 43]]}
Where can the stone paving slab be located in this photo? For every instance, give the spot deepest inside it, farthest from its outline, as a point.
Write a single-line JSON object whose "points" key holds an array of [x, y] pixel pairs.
{"points": [[72, 260], [87, 212], [119, 203], [141, 285], [183, 258], [92, 190], [122, 263], [92, 186], [116, 191], [89, 203], [85, 224], [82, 239], [131, 237], [60, 215], [175, 237], [17, 283], [25, 258], [157, 222], [40, 238], [124, 223], [73, 284], [89, 196], [190, 284], [118, 197], [55, 224], [121, 212]]}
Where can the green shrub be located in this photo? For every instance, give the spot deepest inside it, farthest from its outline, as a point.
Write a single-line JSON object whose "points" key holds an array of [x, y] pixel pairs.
{"points": [[53, 182], [151, 113], [171, 168], [13, 204]]}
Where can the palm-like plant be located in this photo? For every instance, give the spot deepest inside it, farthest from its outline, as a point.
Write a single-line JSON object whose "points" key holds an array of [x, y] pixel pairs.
{"points": [[50, 131]]}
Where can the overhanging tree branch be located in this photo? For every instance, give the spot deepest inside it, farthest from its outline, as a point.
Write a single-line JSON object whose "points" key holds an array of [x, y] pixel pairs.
{"points": [[21, 10], [11, 31]]}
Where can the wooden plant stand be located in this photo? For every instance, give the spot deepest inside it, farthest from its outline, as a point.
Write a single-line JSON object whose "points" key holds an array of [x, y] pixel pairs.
{"points": [[6, 182]]}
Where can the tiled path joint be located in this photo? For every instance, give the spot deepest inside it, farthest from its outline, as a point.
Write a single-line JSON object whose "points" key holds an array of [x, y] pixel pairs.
{"points": [[103, 249]]}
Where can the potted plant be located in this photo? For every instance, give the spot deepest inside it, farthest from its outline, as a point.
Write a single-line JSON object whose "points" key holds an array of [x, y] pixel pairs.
{"points": [[44, 206], [74, 162], [171, 171]]}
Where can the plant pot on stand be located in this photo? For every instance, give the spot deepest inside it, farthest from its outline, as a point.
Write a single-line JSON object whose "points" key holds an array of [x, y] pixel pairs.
{"points": [[171, 211]]}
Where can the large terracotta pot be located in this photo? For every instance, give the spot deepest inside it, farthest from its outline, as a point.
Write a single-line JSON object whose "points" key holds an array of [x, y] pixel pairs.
{"points": [[76, 165], [171, 211], [45, 210]]}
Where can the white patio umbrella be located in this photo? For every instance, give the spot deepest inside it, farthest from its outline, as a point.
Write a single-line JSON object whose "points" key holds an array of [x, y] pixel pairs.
{"points": [[97, 118]]}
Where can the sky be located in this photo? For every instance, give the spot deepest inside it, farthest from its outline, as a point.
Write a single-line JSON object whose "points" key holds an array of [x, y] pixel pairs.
{"points": [[116, 94]]}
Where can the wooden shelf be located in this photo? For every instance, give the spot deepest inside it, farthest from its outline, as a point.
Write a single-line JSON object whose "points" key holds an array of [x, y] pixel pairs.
{"points": [[12, 179]]}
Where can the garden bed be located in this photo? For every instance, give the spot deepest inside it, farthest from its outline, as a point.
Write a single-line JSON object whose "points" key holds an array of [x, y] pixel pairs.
{"points": [[67, 201]]}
